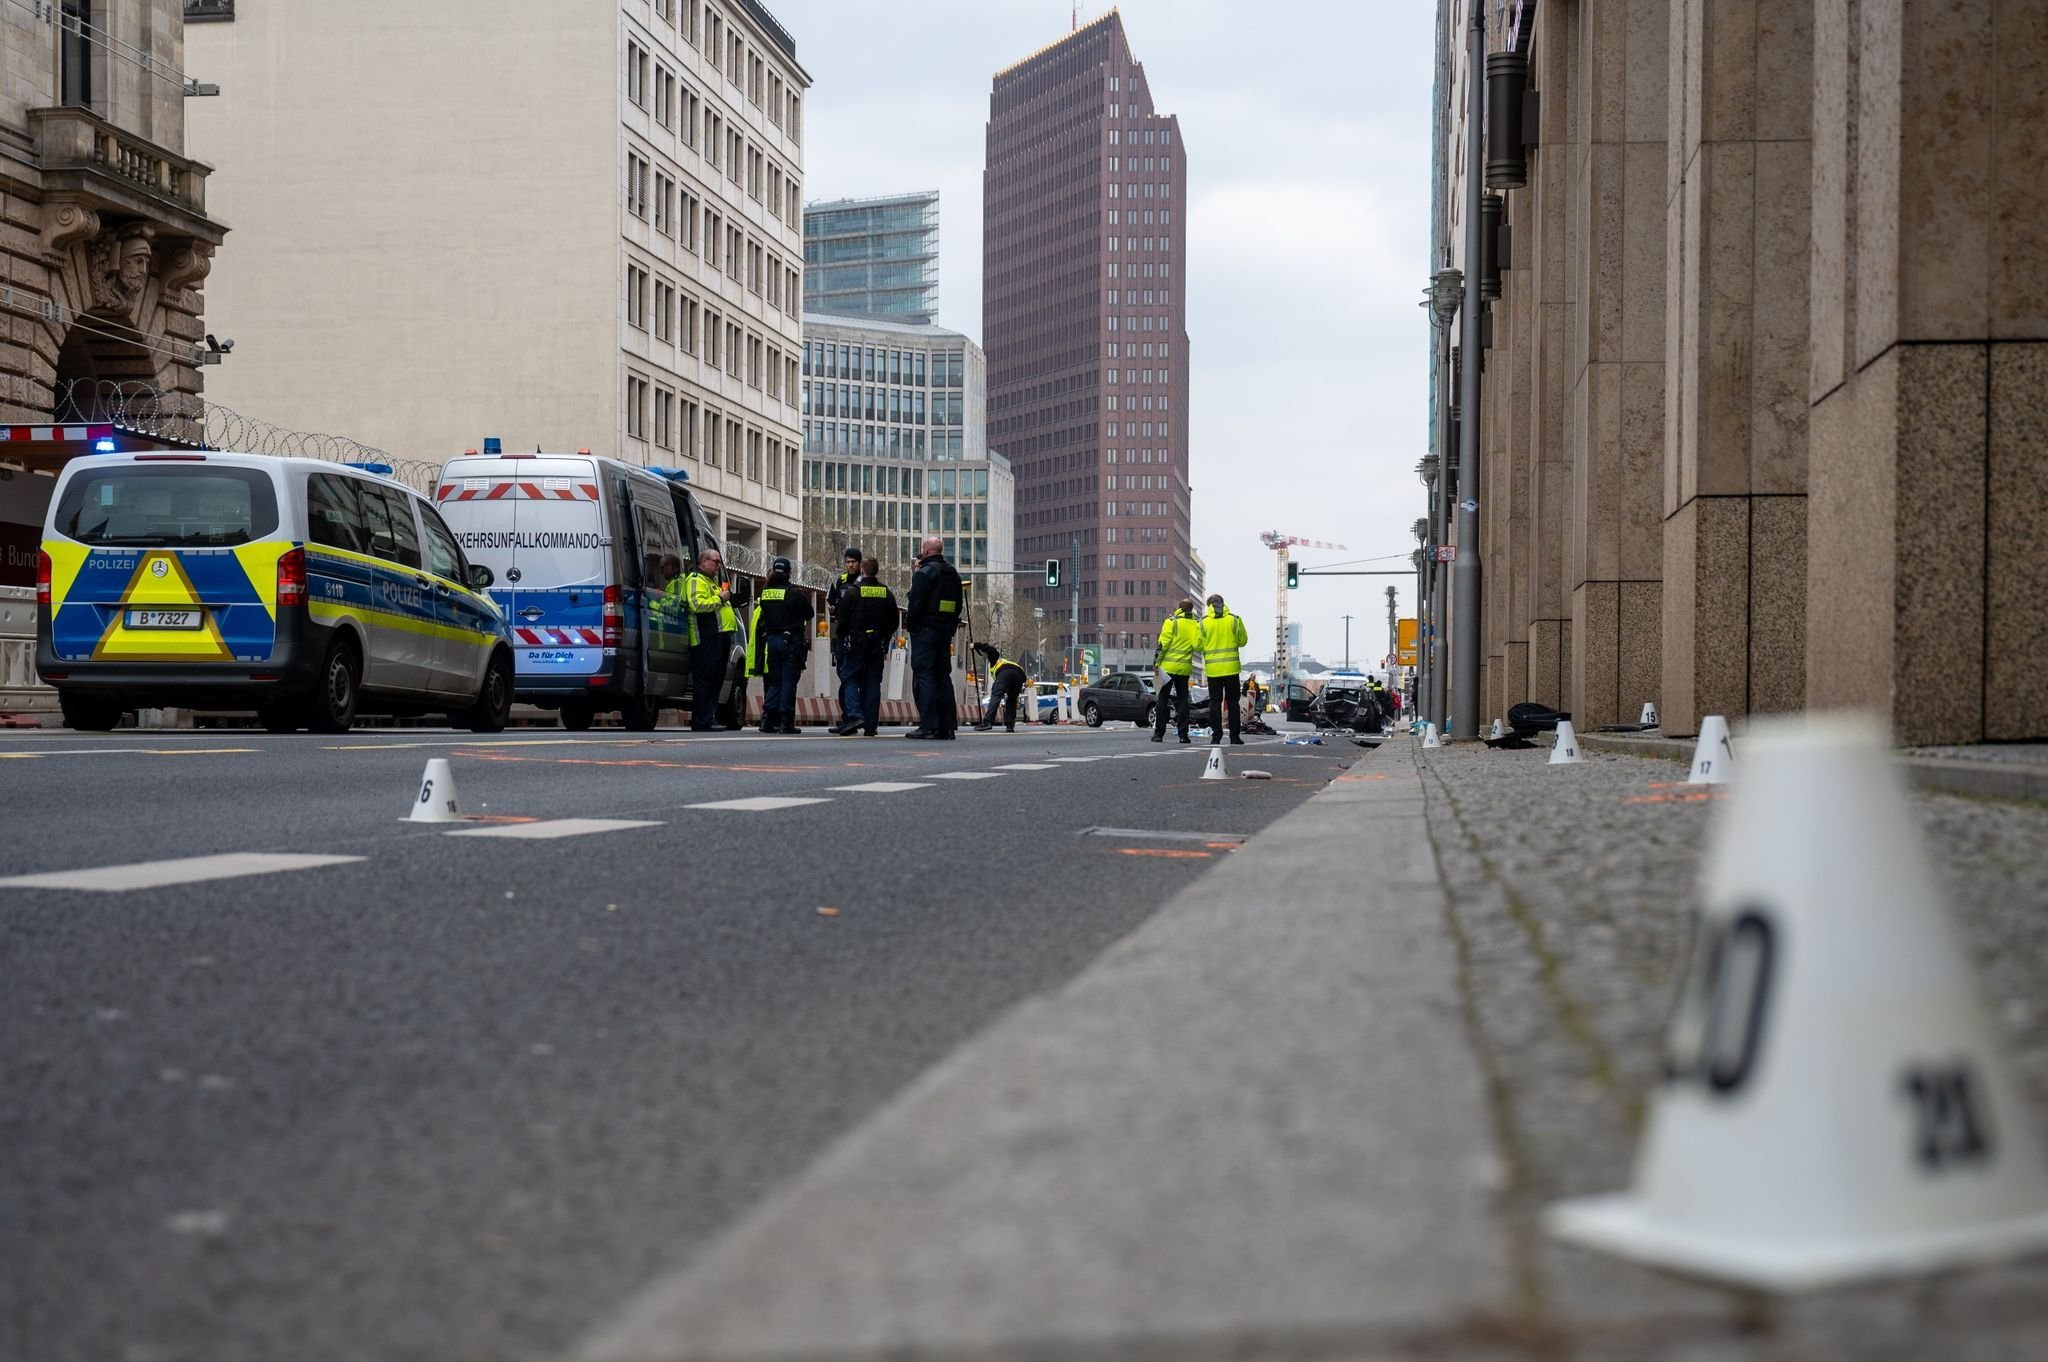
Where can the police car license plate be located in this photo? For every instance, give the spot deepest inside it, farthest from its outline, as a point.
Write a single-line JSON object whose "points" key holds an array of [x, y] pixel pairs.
{"points": [[166, 619]]}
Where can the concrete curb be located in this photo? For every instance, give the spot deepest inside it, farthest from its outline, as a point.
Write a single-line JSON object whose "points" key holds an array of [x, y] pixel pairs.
{"points": [[1257, 1119], [1981, 779]]}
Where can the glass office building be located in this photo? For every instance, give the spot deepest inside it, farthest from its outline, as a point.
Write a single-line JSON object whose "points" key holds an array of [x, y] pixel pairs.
{"points": [[873, 257]]}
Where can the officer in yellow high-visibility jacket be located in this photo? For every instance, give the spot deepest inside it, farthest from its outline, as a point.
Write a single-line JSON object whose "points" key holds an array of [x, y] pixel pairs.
{"points": [[1180, 636], [1222, 635], [713, 622], [1005, 685]]}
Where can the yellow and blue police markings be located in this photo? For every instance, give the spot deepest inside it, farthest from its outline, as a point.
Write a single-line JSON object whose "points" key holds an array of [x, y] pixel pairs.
{"points": [[96, 593], [345, 585]]}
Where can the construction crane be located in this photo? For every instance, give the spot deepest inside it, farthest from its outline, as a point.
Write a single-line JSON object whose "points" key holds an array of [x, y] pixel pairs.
{"points": [[1283, 546]]}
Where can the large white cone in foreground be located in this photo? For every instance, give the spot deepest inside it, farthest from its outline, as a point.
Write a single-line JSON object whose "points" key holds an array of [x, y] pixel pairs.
{"points": [[1837, 1103]]}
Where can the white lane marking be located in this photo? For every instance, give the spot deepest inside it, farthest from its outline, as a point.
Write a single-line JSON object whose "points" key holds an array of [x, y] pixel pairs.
{"points": [[554, 827], [188, 870], [758, 804], [1027, 766], [125, 752], [883, 787], [1078, 760], [967, 775]]}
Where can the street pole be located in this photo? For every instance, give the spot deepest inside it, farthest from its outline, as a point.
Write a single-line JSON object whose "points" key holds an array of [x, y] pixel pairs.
{"points": [[1393, 632], [1347, 643], [1074, 577], [1465, 604], [1440, 521]]}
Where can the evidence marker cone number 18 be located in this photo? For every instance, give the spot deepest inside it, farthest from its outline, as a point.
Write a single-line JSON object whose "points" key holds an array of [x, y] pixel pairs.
{"points": [[1836, 1104], [1214, 770], [437, 801], [1566, 750]]}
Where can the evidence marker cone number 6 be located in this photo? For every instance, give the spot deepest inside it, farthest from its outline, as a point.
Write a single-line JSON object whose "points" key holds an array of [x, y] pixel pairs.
{"points": [[1836, 1104], [1565, 751], [437, 801]]}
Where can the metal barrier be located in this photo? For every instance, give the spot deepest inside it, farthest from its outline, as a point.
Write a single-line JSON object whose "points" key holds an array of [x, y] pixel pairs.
{"points": [[20, 690]]}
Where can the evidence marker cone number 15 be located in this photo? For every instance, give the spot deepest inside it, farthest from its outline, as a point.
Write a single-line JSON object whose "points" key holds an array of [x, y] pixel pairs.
{"points": [[437, 801], [1836, 1104]]}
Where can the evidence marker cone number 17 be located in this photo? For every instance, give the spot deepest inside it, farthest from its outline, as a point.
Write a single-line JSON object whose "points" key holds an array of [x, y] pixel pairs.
{"points": [[437, 801], [1566, 750], [1713, 756], [1836, 1104]]}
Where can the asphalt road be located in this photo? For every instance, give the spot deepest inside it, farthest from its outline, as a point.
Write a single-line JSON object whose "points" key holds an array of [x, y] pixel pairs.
{"points": [[459, 1095]]}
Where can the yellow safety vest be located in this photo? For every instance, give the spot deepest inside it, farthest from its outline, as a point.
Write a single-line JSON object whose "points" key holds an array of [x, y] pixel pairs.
{"points": [[700, 596], [1179, 636], [1222, 635]]}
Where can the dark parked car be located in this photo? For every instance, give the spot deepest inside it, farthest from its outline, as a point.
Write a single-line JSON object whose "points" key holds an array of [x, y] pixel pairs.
{"points": [[1129, 695]]}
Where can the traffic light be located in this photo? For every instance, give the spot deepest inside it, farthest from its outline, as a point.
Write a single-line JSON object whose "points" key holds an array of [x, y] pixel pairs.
{"points": [[1052, 572], [1293, 575]]}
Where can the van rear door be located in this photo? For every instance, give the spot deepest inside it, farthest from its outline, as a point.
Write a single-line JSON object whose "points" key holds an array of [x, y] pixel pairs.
{"points": [[538, 525]]}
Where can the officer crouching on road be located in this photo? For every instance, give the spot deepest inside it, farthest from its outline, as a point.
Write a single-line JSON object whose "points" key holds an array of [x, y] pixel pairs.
{"points": [[931, 617], [1222, 635], [1006, 683], [777, 644], [862, 629]]}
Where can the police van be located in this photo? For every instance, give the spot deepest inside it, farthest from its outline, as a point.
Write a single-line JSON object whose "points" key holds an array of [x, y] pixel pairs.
{"points": [[305, 590], [577, 543]]}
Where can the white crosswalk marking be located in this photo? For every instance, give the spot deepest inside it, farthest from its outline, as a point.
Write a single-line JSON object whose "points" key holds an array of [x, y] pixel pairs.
{"points": [[1028, 766], [758, 804], [553, 828], [188, 870], [967, 775], [884, 787], [1076, 761]]}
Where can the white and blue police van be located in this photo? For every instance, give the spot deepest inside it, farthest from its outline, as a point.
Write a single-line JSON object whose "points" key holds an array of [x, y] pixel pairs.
{"points": [[305, 590], [576, 544]]}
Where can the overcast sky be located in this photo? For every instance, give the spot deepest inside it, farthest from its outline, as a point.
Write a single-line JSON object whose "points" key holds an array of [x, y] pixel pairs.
{"points": [[1306, 141]]}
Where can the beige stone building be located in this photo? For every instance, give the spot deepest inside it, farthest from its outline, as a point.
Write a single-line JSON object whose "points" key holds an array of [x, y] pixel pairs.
{"points": [[1764, 421], [565, 225], [105, 237]]}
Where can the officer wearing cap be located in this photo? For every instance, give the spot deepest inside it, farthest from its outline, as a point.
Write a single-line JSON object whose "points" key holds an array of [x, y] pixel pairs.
{"points": [[931, 617], [713, 621], [849, 670], [862, 629], [776, 644], [1222, 635]]}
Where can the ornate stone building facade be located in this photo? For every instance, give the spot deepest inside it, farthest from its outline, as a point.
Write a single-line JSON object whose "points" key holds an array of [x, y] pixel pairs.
{"points": [[1762, 423], [103, 222]]}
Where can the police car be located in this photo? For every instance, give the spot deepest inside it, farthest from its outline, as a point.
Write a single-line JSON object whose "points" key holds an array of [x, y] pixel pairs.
{"points": [[307, 591]]}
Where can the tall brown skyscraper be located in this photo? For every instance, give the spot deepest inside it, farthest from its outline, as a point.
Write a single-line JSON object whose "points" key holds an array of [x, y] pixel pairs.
{"points": [[1084, 319]]}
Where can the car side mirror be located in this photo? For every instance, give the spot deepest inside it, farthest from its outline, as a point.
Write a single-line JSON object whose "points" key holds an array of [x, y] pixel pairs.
{"points": [[480, 576]]}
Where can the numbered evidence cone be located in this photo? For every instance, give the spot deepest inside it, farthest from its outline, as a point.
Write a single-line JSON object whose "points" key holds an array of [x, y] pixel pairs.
{"points": [[1496, 728], [1214, 770], [437, 802], [1565, 751], [1649, 715], [1429, 736], [1835, 1103], [1713, 756]]}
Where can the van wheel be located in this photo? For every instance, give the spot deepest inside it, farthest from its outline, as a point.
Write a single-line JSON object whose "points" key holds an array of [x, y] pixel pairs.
{"points": [[640, 716], [493, 699], [575, 717], [332, 706], [278, 720], [1092, 714], [89, 716]]}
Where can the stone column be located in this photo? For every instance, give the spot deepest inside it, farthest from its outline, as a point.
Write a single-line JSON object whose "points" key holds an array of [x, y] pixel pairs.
{"points": [[1927, 584], [1736, 339], [1541, 239], [1616, 432]]}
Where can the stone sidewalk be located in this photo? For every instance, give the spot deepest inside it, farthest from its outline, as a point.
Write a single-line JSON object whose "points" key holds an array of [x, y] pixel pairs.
{"points": [[1313, 1108]]}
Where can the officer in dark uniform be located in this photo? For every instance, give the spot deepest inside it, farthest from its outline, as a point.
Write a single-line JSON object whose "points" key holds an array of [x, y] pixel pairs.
{"points": [[849, 673], [862, 630], [1005, 685], [931, 617], [776, 646]]}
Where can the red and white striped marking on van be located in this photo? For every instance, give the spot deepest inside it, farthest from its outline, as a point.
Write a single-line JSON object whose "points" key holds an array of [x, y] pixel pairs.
{"points": [[549, 637], [547, 489]]}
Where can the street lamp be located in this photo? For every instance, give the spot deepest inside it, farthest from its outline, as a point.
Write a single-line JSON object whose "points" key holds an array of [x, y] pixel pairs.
{"points": [[1446, 290]]}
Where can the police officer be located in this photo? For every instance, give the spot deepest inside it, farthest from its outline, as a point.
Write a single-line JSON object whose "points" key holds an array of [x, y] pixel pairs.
{"points": [[1005, 684], [848, 673], [1222, 635], [708, 599], [862, 629], [931, 617], [776, 643], [1180, 635]]}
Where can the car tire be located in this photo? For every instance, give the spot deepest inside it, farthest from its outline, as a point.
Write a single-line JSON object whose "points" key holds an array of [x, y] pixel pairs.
{"points": [[277, 719], [641, 715], [1151, 715], [1091, 714], [575, 717], [493, 707], [90, 716], [331, 708]]}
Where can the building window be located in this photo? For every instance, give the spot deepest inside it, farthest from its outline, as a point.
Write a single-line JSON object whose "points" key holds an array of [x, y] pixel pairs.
{"points": [[664, 96], [664, 310], [636, 73], [636, 407], [636, 186], [664, 194], [664, 419], [74, 52], [636, 297]]}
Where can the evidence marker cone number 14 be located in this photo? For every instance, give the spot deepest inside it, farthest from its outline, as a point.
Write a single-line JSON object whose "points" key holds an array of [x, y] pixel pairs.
{"points": [[1836, 1104], [1214, 770], [437, 801]]}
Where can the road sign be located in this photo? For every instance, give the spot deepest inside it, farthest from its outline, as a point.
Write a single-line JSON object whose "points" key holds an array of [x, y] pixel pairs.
{"points": [[1404, 642], [1447, 553]]}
